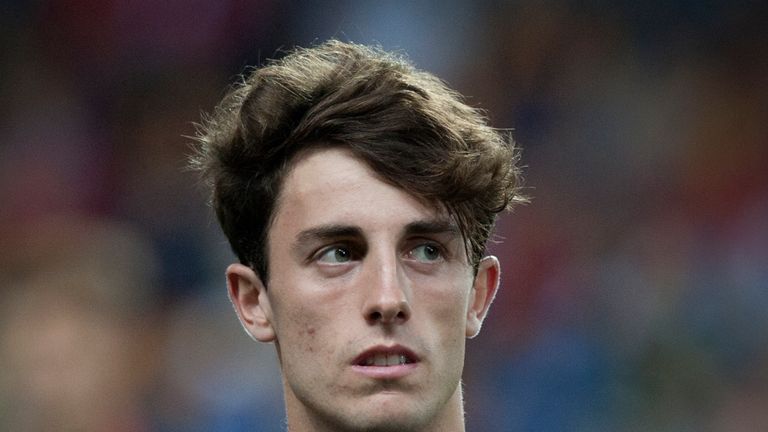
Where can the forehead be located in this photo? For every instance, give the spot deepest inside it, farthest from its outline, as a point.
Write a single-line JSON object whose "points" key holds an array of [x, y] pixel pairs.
{"points": [[331, 186]]}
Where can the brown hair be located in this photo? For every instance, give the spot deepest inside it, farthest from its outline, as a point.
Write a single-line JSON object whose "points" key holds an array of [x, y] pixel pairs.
{"points": [[411, 129]]}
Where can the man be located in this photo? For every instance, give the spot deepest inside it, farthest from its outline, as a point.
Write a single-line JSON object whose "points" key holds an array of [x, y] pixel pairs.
{"points": [[358, 193]]}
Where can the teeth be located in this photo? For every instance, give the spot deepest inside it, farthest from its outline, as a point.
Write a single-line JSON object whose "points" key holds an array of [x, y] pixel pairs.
{"points": [[385, 360]]}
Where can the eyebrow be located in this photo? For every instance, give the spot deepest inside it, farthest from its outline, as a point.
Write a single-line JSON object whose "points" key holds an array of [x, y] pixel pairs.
{"points": [[427, 227], [328, 232], [331, 232]]}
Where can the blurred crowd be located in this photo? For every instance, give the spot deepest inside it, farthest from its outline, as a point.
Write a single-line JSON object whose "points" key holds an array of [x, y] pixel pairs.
{"points": [[635, 284]]}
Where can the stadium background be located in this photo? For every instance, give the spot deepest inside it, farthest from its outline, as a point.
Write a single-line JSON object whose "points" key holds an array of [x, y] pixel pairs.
{"points": [[635, 285]]}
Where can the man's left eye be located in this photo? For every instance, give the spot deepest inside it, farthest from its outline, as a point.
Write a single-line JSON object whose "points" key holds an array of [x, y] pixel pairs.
{"points": [[425, 253]]}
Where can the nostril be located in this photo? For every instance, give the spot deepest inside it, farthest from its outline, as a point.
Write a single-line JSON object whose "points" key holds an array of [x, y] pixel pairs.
{"points": [[378, 316]]}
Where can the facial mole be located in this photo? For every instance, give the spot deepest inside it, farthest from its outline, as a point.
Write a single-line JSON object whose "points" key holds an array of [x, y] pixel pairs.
{"points": [[310, 330]]}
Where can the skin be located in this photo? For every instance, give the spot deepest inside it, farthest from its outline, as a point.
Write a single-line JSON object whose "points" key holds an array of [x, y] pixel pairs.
{"points": [[356, 263]]}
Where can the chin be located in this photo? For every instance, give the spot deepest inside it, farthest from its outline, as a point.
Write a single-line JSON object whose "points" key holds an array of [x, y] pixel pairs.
{"points": [[393, 423], [389, 416]]}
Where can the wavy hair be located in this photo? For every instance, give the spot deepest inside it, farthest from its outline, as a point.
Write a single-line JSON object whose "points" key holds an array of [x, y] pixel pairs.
{"points": [[406, 124]]}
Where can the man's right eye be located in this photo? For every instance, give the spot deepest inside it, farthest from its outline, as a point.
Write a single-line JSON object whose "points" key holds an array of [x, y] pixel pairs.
{"points": [[335, 255]]}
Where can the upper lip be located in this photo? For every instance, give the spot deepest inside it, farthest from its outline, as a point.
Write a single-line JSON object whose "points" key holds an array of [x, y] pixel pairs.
{"points": [[410, 356]]}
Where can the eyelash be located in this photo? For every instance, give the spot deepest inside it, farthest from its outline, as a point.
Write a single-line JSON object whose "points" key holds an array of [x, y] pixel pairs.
{"points": [[355, 254], [351, 250], [441, 250]]}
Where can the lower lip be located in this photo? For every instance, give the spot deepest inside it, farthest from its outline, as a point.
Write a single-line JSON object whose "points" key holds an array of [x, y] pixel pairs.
{"points": [[386, 372]]}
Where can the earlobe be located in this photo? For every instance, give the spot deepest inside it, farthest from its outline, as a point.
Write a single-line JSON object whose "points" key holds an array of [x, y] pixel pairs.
{"points": [[249, 297], [484, 290]]}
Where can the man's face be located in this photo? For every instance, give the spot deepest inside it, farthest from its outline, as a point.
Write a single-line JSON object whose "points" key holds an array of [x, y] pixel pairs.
{"points": [[370, 300]]}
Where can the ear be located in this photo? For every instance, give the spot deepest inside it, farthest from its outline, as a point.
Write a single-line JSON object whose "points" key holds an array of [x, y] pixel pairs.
{"points": [[483, 291], [249, 297]]}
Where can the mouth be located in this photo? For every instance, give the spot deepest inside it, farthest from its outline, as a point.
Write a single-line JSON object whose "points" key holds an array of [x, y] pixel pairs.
{"points": [[382, 356]]}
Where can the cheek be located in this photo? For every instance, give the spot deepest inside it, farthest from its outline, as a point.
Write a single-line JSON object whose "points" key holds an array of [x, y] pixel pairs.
{"points": [[306, 336], [446, 295], [296, 330], [447, 311], [301, 328]]}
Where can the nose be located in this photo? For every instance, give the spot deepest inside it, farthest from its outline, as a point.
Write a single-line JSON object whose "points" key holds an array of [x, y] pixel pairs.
{"points": [[386, 300]]}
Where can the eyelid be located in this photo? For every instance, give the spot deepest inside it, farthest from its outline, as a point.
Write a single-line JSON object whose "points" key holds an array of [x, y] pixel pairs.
{"points": [[420, 242], [319, 253], [322, 251]]}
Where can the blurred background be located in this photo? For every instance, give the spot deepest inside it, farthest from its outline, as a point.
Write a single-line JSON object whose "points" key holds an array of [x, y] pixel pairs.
{"points": [[635, 285]]}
